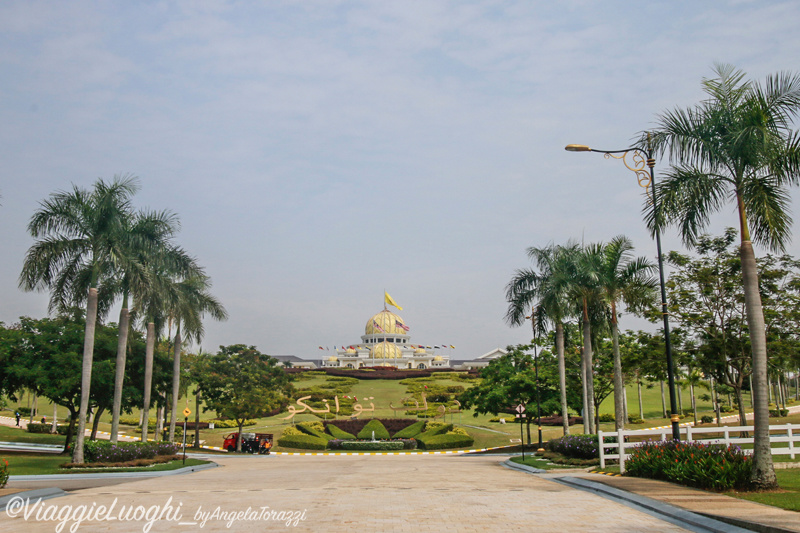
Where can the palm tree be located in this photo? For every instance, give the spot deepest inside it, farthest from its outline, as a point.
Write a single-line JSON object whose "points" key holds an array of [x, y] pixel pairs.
{"points": [[622, 278], [78, 231], [546, 293], [190, 301], [737, 146], [147, 241]]}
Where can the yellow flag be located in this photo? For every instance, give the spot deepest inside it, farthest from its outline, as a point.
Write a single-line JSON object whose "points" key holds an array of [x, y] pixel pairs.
{"points": [[388, 300]]}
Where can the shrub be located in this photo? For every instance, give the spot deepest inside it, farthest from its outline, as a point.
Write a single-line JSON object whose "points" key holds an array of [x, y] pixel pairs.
{"points": [[339, 433], [303, 442], [353, 426], [694, 464], [411, 431], [635, 420], [3, 473], [577, 446], [292, 431], [434, 428], [706, 419], [778, 412], [46, 428], [313, 429], [606, 417], [103, 451], [447, 440], [368, 445], [458, 431], [376, 426]]}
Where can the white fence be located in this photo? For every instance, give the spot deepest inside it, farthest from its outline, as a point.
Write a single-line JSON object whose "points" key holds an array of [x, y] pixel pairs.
{"points": [[786, 433]]}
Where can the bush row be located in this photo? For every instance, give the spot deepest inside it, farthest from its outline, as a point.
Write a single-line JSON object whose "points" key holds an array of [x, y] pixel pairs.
{"points": [[368, 445], [303, 442], [103, 451], [576, 446], [47, 428], [392, 425]]}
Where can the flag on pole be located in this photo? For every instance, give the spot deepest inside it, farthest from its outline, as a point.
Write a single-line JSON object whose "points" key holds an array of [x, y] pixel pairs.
{"points": [[388, 300], [321, 348], [376, 326], [401, 325]]}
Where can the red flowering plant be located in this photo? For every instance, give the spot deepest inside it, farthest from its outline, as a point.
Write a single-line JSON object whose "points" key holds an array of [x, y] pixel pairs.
{"points": [[694, 464], [3, 473]]}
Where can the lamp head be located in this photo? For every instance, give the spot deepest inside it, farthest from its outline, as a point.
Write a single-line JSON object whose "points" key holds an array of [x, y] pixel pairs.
{"points": [[577, 148]]}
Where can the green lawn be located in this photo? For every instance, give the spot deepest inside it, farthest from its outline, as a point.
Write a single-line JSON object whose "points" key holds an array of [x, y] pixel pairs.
{"points": [[13, 434], [787, 498]]}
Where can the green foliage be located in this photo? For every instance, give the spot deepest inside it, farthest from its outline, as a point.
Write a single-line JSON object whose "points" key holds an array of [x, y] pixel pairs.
{"points": [[239, 382], [3, 473], [369, 445], [381, 433], [103, 451], [706, 419], [46, 428], [303, 442], [694, 464], [635, 420], [606, 417], [338, 433], [292, 431], [576, 446], [444, 441], [410, 431], [435, 428], [314, 428]]}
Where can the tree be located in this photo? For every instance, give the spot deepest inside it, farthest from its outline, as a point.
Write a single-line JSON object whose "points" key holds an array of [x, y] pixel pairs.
{"points": [[545, 293], [79, 232], [510, 380], [628, 280], [239, 382], [190, 301], [738, 146]]}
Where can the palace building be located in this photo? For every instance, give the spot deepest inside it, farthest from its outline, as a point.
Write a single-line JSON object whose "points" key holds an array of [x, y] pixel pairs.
{"points": [[386, 342]]}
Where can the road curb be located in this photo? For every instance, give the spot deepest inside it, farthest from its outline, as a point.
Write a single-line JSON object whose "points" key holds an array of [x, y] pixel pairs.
{"points": [[37, 494]]}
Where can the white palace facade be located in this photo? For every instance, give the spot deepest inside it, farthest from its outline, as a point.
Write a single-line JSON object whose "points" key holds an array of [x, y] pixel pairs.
{"points": [[386, 342]]}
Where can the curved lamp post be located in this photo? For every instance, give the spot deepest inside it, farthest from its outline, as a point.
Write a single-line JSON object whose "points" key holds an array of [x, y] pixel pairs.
{"points": [[647, 180]]}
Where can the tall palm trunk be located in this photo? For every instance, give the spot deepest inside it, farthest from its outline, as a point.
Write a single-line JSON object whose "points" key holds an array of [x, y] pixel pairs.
{"points": [[149, 350], [587, 351], [119, 377], [86, 373], [763, 473], [641, 406], [694, 402], [176, 382], [663, 400], [562, 376], [619, 387]]}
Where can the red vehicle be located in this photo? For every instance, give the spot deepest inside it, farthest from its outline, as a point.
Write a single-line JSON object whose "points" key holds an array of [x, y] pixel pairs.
{"points": [[251, 442]]}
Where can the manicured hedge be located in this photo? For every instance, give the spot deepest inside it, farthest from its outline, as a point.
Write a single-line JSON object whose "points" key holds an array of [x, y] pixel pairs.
{"points": [[447, 440], [339, 433], [411, 431], [303, 442], [435, 430], [306, 428], [369, 445], [46, 428], [374, 425], [103, 451]]}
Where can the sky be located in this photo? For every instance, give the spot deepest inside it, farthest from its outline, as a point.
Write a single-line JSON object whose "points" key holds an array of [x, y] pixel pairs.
{"points": [[319, 153]]}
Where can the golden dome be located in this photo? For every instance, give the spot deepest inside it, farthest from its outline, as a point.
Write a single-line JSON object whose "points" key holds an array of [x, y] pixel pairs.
{"points": [[333, 358], [386, 350], [351, 350], [438, 358], [420, 350], [387, 321]]}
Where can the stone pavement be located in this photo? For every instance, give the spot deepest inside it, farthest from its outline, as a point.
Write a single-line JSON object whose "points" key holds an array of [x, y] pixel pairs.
{"points": [[404, 493], [732, 510]]}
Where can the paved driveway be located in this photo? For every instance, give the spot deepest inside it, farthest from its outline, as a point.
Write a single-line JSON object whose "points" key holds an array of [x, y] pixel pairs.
{"points": [[413, 493]]}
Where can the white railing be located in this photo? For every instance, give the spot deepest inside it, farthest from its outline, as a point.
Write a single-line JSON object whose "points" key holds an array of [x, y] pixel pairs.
{"points": [[786, 433]]}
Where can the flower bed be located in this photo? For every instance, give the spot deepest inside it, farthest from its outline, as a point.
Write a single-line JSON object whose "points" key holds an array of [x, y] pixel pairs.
{"points": [[694, 464], [576, 446], [103, 451]]}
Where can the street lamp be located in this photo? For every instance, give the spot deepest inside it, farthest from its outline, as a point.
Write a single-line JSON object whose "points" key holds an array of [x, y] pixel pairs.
{"points": [[538, 395], [639, 160]]}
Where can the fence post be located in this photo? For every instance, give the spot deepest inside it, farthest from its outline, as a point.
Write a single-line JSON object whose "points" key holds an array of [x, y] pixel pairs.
{"points": [[602, 449], [727, 436], [791, 442], [621, 445], [688, 433]]}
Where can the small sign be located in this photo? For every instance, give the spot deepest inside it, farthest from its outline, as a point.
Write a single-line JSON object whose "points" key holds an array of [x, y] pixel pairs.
{"points": [[520, 409], [187, 412]]}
